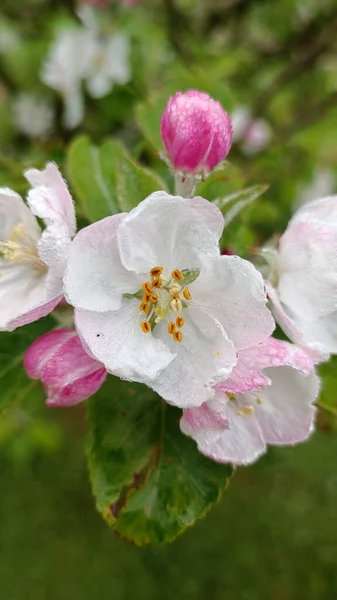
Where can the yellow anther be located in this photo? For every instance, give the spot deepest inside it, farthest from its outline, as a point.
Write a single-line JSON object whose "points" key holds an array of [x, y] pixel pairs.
{"points": [[144, 307], [153, 298], [175, 296], [147, 288], [258, 401], [174, 288], [157, 283], [218, 354], [186, 294], [180, 322], [177, 336], [171, 327], [156, 271], [177, 275], [146, 327]]}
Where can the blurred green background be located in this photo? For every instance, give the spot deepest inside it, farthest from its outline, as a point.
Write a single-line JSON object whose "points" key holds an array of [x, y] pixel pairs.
{"points": [[274, 533]]}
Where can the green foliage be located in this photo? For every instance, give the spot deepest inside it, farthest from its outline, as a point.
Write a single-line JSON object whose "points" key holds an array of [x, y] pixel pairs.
{"points": [[134, 183], [14, 383], [149, 480]]}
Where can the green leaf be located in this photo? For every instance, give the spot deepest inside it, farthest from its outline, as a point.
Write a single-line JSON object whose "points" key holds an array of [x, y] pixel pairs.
{"points": [[14, 383], [92, 172], [231, 205], [328, 396], [134, 183], [149, 480]]}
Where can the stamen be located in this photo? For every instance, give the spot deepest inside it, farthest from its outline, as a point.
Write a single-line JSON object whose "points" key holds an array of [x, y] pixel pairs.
{"points": [[153, 298], [174, 288], [146, 327], [156, 271], [180, 322], [246, 410], [147, 288], [144, 307], [177, 275], [156, 283], [177, 336], [186, 294], [171, 327]]}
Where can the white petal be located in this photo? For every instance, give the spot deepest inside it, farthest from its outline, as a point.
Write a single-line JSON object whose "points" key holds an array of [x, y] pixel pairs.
{"points": [[322, 331], [232, 290], [323, 210], [204, 357], [49, 197], [286, 413], [116, 339], [307, 267], [95, 278], [53, 248], [169, 231], [239, 442], [22, 290], [13, 211], [73, 107], [99, 84]]}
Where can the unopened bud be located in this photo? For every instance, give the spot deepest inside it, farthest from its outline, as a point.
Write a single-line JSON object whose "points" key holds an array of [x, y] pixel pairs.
{"points": [[196, 132]]}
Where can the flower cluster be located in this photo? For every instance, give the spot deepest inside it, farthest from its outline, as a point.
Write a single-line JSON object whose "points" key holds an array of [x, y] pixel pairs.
{"points": [[156, 302]]}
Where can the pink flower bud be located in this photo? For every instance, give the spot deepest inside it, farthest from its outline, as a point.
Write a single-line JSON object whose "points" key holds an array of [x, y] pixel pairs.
{"points": [[196, 132], [69, 375]]}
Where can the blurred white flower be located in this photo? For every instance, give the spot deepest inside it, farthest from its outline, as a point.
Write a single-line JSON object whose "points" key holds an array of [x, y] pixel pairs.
{"points": [[9, 39], [253, 135], [32, 116], [80, 54]]}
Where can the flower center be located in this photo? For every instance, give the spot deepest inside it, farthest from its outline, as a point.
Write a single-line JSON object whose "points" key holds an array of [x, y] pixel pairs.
{"points": [[21, 249], [163, 295]]}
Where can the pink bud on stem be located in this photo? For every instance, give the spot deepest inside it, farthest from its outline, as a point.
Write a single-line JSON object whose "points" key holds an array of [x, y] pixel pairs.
{"points": [[68, 374], [196, 132]]}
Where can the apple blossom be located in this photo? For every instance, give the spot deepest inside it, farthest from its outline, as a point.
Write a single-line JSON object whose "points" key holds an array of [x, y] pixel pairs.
{"points": [[32, 116], [156, 303], [68, 374], [32, 262], [196, 132], [253, 134], [80, 54], [268, 399], [303, 278]]}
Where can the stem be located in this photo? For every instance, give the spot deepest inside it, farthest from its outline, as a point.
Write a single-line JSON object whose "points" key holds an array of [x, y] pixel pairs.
{"points": [[184, 186]]}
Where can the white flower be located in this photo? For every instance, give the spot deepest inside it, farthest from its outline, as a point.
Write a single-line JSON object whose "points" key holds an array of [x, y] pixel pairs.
{"points": [[254, 134], [80, 54], [156, 303], [268, 399], [32, 262], [303, 282], [32, 116]]}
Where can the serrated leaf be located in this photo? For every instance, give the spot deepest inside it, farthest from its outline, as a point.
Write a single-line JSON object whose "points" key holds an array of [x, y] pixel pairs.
{"points": [[149, 480], [134, 183], [92, 173], [14, 383], [231, 205]]}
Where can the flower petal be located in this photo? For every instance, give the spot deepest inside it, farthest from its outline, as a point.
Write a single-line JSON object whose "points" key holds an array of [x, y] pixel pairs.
{"points": [[24, 297], [13, 211], [286, 412], [240, 440], [95, 278], [169, 231], [49, 197], [204, 357], [232, 290], [116, 339], [322, 210], [307, 267], [42, 349]]}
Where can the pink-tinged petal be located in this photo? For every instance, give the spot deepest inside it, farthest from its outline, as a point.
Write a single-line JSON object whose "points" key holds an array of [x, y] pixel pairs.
{"points": [[42, 349], [285, 411], [323, 331], [35, 314], [13, 212], [248, 374], [53, 248], [204, 356], [78, 390], [316, 350], [69, 375], [169, 231], [116, 339], [95, 278], [323, 210], [232, 290], [49, 197], [239, 442], [307, 266]]}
